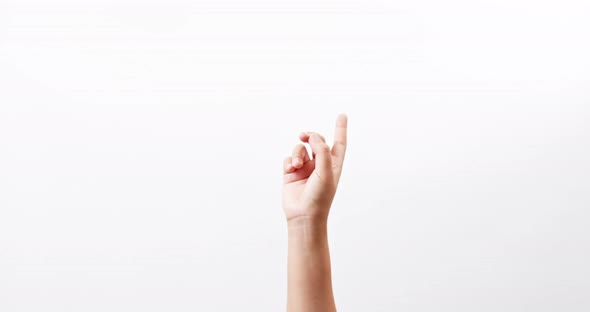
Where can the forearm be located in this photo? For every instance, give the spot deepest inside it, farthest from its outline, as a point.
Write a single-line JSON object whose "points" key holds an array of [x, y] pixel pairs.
{"points": [[309, 272]]}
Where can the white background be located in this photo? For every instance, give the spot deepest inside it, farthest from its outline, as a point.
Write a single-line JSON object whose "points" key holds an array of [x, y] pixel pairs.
{"points": [[141, 147]]}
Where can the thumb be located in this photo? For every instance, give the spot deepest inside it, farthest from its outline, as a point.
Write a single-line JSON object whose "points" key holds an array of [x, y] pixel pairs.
{"points": [[323, 158]]}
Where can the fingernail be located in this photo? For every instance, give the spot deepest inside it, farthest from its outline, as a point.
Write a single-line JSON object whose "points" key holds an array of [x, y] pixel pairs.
{"points": [[296, 161], [314, 138]]}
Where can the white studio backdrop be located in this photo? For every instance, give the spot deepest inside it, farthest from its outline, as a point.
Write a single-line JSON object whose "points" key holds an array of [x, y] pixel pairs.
{"points": [[141, 147]]}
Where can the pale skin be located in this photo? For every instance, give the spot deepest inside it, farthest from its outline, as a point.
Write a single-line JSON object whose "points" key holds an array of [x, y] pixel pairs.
{"points": [[309, 186]]}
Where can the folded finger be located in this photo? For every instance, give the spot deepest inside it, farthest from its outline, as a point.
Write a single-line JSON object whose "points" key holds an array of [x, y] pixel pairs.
{"points": [[305, 135], [287, 165], [299, 156]]}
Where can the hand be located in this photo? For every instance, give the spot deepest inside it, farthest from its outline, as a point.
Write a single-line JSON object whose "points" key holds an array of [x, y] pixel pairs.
{"points": [[309, 185]]}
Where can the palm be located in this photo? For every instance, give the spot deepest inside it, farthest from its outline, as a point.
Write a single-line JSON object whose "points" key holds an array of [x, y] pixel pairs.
{"points": [[293, 196]]}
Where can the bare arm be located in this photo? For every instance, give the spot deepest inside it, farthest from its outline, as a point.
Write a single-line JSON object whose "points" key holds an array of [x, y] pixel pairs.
{"points": [[309, 276], [309, 188]]}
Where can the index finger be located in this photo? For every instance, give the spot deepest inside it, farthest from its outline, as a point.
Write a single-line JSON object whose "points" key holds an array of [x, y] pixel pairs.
{"points": [[339, 148]]}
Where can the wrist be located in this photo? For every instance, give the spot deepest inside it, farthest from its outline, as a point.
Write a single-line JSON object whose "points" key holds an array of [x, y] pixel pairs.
{"points": [[307, 221], [308, 229]]}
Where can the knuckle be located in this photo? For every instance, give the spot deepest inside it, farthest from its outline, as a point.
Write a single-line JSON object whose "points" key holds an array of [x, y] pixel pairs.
{"points": [[323, 148]]}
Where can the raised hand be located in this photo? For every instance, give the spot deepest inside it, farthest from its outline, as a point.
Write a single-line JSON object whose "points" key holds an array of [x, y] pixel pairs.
{"points": [[309, 184]]}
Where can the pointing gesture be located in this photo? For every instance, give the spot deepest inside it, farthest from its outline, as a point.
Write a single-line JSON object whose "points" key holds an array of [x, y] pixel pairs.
{"points": [[310, 182]]}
